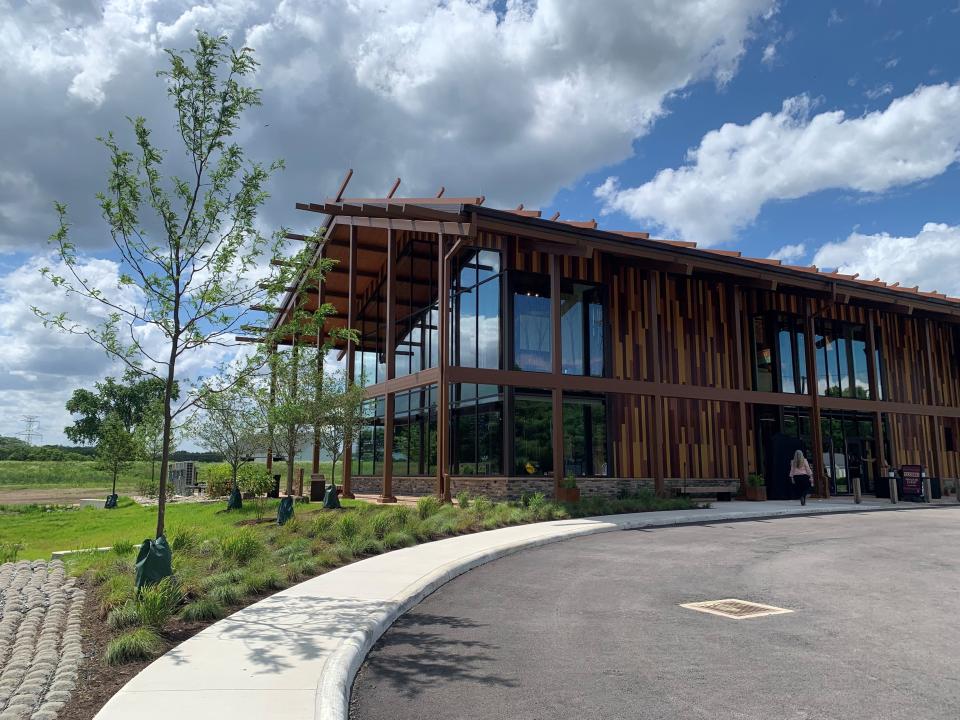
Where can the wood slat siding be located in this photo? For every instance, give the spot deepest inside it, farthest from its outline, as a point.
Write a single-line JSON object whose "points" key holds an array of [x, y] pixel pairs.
{"points": [[697, 346]]}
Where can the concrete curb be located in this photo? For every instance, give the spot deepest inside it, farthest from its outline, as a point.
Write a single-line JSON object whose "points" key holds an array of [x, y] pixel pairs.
{"points": [[305, 644]]}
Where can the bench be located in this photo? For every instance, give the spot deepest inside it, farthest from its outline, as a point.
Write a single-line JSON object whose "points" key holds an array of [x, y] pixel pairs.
{"points": [[723, 491]]}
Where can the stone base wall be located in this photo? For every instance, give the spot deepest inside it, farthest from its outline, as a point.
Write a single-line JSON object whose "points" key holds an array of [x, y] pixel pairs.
{"points": [[511, 488]]}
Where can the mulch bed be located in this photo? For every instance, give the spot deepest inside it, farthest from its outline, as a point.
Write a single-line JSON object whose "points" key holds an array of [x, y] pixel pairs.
{"points": [[97, 682]]}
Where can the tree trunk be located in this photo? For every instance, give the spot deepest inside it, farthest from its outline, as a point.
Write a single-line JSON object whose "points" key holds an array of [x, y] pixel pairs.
{"points": [[291, 454], [114, 491], [165, 448]]}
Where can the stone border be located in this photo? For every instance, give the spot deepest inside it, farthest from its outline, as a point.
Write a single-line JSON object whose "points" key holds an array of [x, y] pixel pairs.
{"points": [[295, 654]]}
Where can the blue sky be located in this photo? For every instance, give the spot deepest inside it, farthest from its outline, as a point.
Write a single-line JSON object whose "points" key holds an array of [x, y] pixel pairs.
{"points": [[812, 131], [838, 54]]}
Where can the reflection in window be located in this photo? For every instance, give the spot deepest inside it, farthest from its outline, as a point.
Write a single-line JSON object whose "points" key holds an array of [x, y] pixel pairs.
{"points": [[582, 321], [368, 446], [842, 360], [476, 420], [584, 437], [531, 323], [415, 432], [763, 357], [476, 310], [533, 449]]}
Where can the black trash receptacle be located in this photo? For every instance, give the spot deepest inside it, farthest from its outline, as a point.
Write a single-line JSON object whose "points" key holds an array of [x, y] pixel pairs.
{"points": [[317, 488], [936, 492], [275, 493]]}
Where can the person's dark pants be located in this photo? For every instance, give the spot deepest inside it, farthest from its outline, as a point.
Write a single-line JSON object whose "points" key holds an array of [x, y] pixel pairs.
{"points": [[803, 487]]}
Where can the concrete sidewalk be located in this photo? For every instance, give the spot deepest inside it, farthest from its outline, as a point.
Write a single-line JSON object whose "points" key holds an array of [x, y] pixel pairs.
{"points": [[294, 655]]}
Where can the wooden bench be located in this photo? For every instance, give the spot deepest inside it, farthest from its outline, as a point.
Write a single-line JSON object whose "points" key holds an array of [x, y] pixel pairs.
{"points": [[723, 491]]}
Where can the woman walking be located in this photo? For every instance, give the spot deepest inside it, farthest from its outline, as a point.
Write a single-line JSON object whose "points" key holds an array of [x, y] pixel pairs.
{"points": [[801, 473]]}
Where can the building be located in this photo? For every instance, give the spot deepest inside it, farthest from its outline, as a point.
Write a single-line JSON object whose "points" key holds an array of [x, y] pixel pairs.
{"points": [[487, 333]]}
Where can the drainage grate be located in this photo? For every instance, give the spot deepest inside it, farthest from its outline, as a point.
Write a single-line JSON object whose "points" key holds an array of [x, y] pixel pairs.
{"points": [[735, 609]]}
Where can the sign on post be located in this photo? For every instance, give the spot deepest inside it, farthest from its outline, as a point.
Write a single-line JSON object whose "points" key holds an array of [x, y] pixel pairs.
{"points": [[912, 480]]}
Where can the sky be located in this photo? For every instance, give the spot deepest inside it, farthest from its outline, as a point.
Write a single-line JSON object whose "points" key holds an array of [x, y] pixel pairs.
{"points": [[817, 132]]}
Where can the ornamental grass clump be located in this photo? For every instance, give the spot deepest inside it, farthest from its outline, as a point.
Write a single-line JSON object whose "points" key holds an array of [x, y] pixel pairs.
{"points": [[123, 548], [242, 547], [348, 527], [427, 506], [202, 609], [381, 524], [133, 646], [123, 616], [463, 499], [156, 604]]}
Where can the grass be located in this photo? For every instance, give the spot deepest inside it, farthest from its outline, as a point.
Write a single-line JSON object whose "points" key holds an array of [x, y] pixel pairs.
{"points": [[222, 561], [29, 475]]}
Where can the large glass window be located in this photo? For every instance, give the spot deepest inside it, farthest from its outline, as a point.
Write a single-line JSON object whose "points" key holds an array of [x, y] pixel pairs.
{"points": [[585, 437], [762, 357], [476, 310], [415, 432], [843, 361], [583, 329], [531, 323], [476, 420], [368, 446], [533, 448]]}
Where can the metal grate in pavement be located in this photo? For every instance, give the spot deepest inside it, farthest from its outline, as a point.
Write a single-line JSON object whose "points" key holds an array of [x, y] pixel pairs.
{"points": [[735, 609]]}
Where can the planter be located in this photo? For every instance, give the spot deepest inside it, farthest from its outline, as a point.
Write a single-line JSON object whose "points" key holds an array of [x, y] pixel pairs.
{"points": [[569, 495], [756, 492]]}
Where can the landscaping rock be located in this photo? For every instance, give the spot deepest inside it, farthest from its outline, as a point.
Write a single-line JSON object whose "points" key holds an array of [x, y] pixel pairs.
{"points": [[40, 646]]}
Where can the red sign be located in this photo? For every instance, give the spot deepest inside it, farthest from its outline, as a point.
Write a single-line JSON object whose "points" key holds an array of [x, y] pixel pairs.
{"points": [[912, 479]]}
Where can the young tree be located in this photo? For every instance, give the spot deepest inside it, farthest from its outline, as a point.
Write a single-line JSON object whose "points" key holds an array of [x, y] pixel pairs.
{"points": [[232, 426], [341, 416], [149, 436], [116, 447], [191, 282], [132, 400]]}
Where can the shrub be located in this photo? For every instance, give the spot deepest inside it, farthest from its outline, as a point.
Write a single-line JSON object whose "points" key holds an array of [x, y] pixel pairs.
{"points": [[242, 546], [205, 608], [224, 578], [482, 506], [218, 478], [151, 487], [463, 499], [348, 527], [294, 550], [230, 594], [427, 506], [536, 502], [362, 545], [184, 538], [381, 524], [255, 479], [255, 583], [116, 589], [323, 524], [123, 548], [399, 539], [139, 644], [123, 616], [401, 515], [302, 568], [156, 604]]}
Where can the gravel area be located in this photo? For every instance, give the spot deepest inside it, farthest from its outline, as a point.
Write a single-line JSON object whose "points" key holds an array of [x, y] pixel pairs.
{"points": [[40, 653]]}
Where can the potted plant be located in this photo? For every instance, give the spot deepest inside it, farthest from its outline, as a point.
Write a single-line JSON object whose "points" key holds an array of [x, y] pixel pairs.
{"points": [[756, 488], [568, 492]]}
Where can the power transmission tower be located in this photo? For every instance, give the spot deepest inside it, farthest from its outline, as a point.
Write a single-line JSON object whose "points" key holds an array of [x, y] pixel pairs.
{"points": [[31, 429]]}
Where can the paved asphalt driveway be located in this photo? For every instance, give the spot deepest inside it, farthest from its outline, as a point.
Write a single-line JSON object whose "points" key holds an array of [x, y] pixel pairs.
{"points": [[592, 628]]}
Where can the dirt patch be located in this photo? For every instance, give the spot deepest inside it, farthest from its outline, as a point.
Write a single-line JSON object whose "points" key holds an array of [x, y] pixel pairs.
{"points": [[50, 496]]}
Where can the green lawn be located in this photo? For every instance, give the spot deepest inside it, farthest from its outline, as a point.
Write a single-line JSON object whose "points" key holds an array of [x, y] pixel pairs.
{"points": [[41, 532]]}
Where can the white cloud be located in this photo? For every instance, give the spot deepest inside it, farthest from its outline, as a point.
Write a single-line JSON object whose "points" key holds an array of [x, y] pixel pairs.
{"points": [[737, 169], [769, 54], [891, 63], [789, 253], [834, 18], [928, 259], [513, 102]]}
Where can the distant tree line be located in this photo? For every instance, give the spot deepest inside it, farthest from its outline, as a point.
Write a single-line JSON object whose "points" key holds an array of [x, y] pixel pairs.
{"points": [[12, 448]]}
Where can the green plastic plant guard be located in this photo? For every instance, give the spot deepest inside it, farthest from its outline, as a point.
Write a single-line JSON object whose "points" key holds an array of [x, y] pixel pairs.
{"points": [[330, 499], [235, 502], [111, 502], [285, 511], [154, 562]]}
